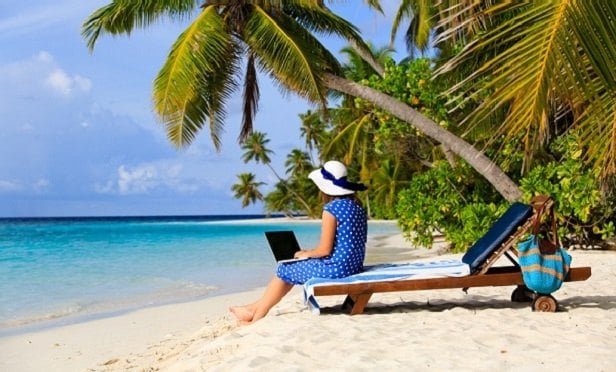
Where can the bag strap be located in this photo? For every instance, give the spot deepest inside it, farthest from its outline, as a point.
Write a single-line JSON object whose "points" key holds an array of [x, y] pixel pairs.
{"points": [[544, 205], [539, 204], [554, 237]]}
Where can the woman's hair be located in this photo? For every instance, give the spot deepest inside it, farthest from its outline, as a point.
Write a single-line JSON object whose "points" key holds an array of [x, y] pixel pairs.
{"points": [[328, 198]]}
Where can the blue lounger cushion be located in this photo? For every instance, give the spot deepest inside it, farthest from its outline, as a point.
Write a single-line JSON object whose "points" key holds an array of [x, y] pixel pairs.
{"points": [[500, 231]]}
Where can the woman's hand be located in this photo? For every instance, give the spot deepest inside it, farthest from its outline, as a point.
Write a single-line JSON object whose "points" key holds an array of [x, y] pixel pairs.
{"points": [[302, 254]]}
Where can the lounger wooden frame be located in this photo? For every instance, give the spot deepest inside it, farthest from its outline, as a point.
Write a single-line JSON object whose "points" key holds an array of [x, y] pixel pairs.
{"points": [[358, 294]]}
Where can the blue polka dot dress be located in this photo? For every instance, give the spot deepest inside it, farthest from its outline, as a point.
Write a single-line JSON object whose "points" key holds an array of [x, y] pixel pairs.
{"points": [[347, 257]]}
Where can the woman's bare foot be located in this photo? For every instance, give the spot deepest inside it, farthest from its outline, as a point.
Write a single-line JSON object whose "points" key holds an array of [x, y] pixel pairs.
{"points": [[242, 313]]}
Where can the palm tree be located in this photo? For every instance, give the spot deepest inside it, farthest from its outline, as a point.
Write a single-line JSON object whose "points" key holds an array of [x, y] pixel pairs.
{"points": [[298, 163], [313, 130], [559, 61], [200, 73], [352, 137], [387, 182], [547, 65], [353, 125], [247, 189], [357, 68], [279, 200], [276, 36], [255, 149], [477, 159]]}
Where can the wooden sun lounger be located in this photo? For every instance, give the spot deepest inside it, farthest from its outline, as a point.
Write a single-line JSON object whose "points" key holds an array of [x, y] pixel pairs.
{"points": [[498, 241]]}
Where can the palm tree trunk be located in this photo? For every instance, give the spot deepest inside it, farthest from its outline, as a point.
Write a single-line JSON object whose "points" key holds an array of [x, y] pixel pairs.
{"points": [[290, 189], [482, 164], [367, 56]]}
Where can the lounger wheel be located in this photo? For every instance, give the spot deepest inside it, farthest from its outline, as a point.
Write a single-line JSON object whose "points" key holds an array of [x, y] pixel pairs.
{"points": [[521, 293], [545, 303]]}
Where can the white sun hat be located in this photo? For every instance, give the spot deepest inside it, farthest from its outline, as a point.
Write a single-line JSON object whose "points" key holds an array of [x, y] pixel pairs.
{"points": [[331, 179]]}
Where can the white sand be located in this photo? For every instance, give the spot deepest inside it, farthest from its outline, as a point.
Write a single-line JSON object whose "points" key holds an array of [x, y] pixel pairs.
{"points": [[423, 330]]}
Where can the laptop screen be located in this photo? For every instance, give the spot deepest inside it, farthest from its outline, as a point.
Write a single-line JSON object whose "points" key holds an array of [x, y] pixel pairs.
{"points": [[283, 244]]}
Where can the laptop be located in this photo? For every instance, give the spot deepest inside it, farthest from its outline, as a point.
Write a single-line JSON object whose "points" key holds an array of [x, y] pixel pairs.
{"points": [[283, 245]]}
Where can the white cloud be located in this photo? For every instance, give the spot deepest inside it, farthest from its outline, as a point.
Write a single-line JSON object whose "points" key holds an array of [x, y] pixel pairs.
{"points": [[159, 177], [42, 70], [137, 181], [61, 82], [83, 84], [44, 56], [9, 186], [41, 185], [38, 186]]}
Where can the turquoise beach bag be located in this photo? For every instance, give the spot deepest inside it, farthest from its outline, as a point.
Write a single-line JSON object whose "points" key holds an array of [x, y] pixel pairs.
{"points": [[544, 263], [542, 273]]}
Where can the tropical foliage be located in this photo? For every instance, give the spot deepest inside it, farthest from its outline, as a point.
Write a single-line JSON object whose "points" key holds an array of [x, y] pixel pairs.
{"points": [[277, 37], [585, 213], [225, 39], [548, 64], [435, 196], [448, 201], [530, 84]]}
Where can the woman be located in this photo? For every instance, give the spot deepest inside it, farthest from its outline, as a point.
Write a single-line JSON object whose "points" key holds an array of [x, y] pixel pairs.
{"points": [[341, 249]]}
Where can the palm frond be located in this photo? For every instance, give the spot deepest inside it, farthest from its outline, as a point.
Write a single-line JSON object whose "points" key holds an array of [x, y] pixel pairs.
{"points": [[122, 16], [251, 98], [559, 59], [592, 80], [521, 75], [322, 21], [196, 79], [465, 20], [597, 128], [418, 33], [290, 54], [404, 12]]}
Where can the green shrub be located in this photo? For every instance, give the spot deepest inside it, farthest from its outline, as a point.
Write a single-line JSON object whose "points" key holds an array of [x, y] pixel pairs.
{"points": [[454, 202], [584, 214]]}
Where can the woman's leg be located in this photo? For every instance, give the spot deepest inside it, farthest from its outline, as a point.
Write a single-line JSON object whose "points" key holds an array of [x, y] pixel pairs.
{"points": [[244, 313], [274, 292]]}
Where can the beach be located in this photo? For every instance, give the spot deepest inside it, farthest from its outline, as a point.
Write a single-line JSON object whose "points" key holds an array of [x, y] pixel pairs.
{"points": [[422, 330]]}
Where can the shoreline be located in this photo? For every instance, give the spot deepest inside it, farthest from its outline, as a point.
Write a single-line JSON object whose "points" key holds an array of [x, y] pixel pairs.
{"points": [[93, 343], [399, 331], [102, 310]]}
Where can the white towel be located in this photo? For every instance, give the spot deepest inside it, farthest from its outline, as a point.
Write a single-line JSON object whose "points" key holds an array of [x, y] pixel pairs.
{"points": [[384, 272]]}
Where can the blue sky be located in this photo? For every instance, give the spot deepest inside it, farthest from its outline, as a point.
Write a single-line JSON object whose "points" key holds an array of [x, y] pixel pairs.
{"points": [[77, 133]]}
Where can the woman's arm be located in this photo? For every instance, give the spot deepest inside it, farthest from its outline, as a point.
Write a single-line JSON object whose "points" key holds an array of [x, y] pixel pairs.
{"points": [[328, 234]]}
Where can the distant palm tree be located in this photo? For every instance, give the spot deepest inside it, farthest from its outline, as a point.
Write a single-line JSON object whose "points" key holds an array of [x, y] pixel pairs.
{"points": [[247, 189], [313, 130], [255, 148], [352, 138], [386, 182], [298, 163], [280, 200]]}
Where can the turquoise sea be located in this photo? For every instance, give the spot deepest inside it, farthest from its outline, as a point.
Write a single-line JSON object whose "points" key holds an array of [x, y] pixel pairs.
{"points": [[56, 271]]}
